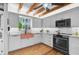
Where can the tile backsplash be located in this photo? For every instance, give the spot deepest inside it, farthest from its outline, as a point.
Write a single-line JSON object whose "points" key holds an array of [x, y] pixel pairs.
{"points": [[75, 31], [65, 30]]}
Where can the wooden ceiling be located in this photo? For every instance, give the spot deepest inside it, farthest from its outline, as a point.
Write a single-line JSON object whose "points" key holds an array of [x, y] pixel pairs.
{"points": [[20, 6], [39, 9]]}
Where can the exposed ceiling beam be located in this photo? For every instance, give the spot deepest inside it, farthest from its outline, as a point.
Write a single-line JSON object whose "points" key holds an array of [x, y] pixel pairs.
{"points": [[53, 9], [32, 7], [39, 10], [20, 6]]}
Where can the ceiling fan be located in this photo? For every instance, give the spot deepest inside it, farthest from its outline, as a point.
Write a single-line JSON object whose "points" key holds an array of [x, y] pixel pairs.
{"points": [[47, 6]]}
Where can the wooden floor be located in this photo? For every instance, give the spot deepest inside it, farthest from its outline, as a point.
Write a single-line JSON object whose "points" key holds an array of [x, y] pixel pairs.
{"points": [[38, 49]]}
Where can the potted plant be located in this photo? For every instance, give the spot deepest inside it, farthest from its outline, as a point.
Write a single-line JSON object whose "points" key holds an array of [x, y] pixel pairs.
{"points": [[19, 25]]}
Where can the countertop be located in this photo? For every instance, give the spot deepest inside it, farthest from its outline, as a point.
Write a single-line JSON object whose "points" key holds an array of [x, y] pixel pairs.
{"points": [[16, 32], [70, 35]]}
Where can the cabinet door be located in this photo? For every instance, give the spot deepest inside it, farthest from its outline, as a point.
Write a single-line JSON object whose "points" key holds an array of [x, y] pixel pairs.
{"points": [[36, 23], [74, 46], [46, 23], [30, 41], [14, 43], [48, 40], [75, 17], [75, 21], [53, 21]]}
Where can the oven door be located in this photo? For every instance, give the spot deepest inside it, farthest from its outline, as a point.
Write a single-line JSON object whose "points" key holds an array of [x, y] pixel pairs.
{"points": [[61, 43]]}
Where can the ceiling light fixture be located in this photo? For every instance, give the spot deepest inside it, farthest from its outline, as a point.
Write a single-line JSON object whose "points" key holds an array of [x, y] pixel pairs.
{"points": [[47, 6]]}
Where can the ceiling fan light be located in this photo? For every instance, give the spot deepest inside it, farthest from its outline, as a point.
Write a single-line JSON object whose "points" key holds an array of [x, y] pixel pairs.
{"points": [[47, 5]]}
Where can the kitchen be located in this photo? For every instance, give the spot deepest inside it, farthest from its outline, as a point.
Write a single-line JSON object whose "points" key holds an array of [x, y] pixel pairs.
{"points": [[24, 31]]}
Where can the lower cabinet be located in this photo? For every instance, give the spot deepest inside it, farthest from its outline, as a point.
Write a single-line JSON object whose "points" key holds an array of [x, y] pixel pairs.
{"points": [[47, 39], [73, 46], [15, 42]]}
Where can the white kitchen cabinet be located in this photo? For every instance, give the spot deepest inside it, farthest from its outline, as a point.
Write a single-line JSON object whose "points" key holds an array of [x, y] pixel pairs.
{"points": [[31, 41], [15, 42], [73, 46], [46, 23], [52, 22], [75, 21], [36, 23], [13, 19], [47, 39]]}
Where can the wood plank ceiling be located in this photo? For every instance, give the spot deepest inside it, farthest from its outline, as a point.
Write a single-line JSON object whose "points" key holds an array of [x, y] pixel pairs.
{"points": [[39, 9]]}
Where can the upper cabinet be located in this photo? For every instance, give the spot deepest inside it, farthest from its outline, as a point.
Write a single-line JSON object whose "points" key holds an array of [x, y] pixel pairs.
{"points": [[49, 22], [13, 8], [52, 21], [13, 19], [46, 23], [73, 14], [36, 23], [75, 18]]}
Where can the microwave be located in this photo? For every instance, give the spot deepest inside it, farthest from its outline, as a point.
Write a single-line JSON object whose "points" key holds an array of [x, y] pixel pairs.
{"points": [[63, 23]]}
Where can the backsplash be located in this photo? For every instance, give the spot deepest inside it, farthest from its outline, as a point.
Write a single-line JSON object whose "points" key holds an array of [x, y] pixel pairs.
{"points": [[65, 30], [37, 30], [75, 31]]}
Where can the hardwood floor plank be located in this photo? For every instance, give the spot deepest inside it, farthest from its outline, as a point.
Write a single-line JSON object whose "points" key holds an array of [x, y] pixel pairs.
{"points": [[38, 49]]}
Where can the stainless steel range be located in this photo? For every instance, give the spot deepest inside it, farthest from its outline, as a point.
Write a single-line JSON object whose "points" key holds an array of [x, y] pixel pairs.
{"points": [[61, 43]]}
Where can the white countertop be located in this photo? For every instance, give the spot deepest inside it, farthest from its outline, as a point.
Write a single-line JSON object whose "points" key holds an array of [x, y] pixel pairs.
{"points": [[16, 31], [75, 36]]}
